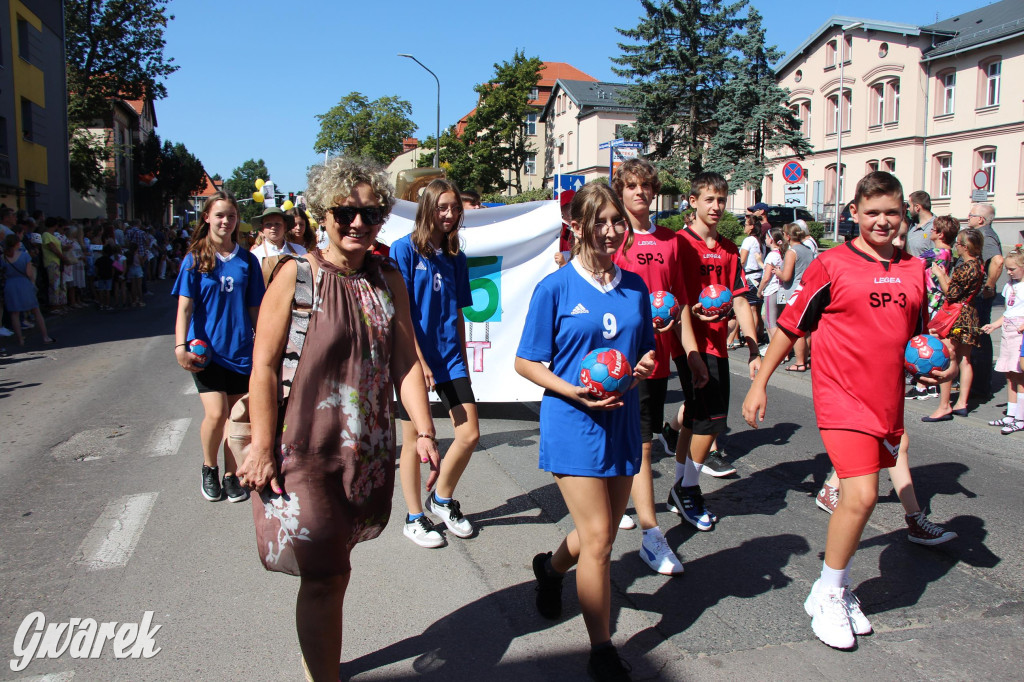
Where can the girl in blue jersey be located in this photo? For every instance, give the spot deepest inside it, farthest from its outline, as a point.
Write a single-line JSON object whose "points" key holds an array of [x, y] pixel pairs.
{"points": [[435, 272], [591, 446], [219, 289]]}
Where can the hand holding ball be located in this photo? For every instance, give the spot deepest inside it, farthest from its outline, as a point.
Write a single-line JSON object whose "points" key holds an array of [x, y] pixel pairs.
{"points": [[715, 299], [925, 353], [201, 351], [606, 373], [664, 308]]}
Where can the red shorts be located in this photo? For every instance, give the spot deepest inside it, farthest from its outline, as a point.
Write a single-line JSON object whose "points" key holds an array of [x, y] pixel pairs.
{"points": [[857, 454]]}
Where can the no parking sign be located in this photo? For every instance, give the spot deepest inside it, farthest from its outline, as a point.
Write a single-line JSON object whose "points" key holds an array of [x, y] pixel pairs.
{"points": [[793, 172]]}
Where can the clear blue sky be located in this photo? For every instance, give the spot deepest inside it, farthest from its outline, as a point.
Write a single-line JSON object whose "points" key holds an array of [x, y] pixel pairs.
{"points": [[254, 74]]}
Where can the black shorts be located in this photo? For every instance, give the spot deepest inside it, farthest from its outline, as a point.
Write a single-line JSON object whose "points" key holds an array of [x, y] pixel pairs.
{"points": [[652, 402], [451, 394], [752, 297], [219, 379], [707, 407]]}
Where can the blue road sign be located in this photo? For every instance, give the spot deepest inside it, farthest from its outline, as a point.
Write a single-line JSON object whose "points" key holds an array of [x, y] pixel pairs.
{"points": [[793, 172], [564, 182]]}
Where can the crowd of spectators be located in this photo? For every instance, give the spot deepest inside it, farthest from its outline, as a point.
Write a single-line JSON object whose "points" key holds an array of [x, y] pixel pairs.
{"points": [[75, 264]]}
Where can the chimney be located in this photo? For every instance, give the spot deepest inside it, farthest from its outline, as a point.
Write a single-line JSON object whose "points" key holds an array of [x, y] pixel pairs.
{"points": [[409, 143]]}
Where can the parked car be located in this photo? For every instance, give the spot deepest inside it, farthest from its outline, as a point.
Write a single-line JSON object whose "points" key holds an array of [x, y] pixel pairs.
{"points": [[782, 215], [847, 228]]}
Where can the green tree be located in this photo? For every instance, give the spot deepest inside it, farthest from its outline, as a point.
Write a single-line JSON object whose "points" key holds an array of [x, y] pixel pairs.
{"points": [[357, 126], [496, 133], [115, 50], [681, 55], [179, 176], [242, 184], [753, 116]]}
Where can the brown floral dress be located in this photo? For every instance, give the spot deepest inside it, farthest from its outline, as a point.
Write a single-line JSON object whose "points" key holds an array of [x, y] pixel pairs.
{"points": [[336, 452], [964, 284]]}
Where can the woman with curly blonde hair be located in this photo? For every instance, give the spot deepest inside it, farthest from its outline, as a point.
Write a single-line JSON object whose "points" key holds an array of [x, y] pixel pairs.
{"points": [[334, 335]]}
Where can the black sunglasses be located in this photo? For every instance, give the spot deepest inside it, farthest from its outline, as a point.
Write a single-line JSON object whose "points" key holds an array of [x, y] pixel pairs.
{"points": [[370, 215]]}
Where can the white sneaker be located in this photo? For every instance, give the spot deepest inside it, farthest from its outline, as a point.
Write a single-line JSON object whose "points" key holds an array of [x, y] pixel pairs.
{"points": [[451, 514], [421, 531], [829, 619], [627, 522], [4, 331], [656, 553], [858, 621]]}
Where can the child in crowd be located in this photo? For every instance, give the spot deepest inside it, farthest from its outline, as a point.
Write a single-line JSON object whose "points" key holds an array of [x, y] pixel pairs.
{"points": [[768, 289], [588, 304], [708, 258], [654, 255], [120, 271], [1012, 324], [864, 300], [219, 291], [433, 266], [105, 275]]}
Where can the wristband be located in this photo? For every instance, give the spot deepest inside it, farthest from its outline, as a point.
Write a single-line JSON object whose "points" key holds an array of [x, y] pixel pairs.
{"points": [[426, 435], [180, 345]]}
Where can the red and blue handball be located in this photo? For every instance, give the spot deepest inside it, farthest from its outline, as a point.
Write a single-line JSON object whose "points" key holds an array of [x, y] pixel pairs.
{"points": [[200, 350], [925, 353], [606, 372], [664, 308], [715, 299]]}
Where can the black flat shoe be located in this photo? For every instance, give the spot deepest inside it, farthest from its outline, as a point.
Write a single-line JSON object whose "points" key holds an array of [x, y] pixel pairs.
{"points": [[961, 412], [945, 418]]}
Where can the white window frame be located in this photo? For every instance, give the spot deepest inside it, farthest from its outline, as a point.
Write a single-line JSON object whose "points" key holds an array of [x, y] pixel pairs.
{"points": [[531, 123], [988, 164], [879, 113], [530, 167], [945, 166], [949, 93], [993, 73]]}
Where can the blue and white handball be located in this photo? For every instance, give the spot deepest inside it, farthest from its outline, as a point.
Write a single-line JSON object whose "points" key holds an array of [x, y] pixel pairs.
{"points": [[925, 353], [606, 372]]}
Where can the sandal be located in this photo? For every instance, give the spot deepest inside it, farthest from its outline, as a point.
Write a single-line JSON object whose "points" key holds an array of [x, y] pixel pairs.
{"points": [[1012, 428], [999, 422], [797, 368]]}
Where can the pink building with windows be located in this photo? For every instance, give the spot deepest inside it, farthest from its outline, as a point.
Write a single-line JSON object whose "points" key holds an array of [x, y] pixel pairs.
{"points": [[932, 104]]}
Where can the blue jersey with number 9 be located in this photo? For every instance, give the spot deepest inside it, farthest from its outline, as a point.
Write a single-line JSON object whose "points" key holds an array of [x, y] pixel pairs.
{"points": [[220, 306], [570, 315]]}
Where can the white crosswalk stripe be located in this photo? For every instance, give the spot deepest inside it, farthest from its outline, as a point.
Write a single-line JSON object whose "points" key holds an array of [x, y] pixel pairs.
{"points": [[51, 677], [166, 439], [113, 537]]}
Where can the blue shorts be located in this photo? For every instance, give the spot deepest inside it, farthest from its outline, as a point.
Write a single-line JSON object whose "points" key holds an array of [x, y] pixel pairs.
{"points": [[135, 272], [104, 284]]}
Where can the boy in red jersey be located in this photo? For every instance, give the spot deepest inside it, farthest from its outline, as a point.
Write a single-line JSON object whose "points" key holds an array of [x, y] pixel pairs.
{"points": [[708, 258], [654, 255], [863, 300]]}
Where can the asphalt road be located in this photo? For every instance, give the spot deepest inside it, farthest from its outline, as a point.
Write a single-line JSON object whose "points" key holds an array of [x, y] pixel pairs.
{"points": [[101, 517]]}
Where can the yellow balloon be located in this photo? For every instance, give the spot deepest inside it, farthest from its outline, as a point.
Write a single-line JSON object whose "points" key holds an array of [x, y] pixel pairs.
{"points": [[257, 197], [259, 183], [287, 206]]}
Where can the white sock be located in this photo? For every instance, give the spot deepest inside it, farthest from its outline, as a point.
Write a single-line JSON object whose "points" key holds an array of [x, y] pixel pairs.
{"points": [[691, 476], [1020, 406], [833, 577], [681, 469], [1011, 409], [656, 529]]}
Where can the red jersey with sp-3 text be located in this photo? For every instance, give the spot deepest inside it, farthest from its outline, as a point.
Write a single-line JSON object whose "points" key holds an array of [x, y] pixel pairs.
{"points": [[862, 312], [655, 257], [702, 267]]}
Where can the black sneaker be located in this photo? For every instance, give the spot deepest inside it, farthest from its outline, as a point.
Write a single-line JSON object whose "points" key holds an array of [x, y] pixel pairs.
{"points": [[549, 590], [688, 502], [668, 437], [211, 484], [605, 665], [234, 490], [715, 465], [916, 393]]}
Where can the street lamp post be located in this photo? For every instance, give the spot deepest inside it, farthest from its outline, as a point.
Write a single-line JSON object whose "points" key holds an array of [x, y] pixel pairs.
{"points": [[437, 138], [840, 105]]}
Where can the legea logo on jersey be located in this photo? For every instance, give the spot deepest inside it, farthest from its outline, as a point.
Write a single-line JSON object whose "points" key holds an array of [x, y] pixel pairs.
{"points": [[715, 256], [485, 285], [82, 638], [647, 242]]}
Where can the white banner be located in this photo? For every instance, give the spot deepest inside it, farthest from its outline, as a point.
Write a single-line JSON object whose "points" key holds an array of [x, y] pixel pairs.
{"points": [[509, 249]]}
